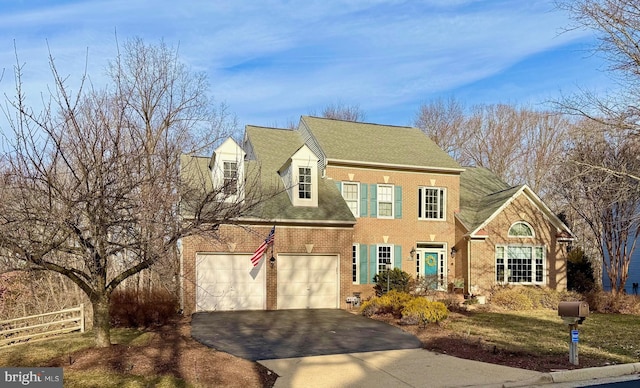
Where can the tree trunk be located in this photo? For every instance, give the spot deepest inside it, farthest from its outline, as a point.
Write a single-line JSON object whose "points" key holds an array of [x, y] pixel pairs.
{"points": [[101, 321]]}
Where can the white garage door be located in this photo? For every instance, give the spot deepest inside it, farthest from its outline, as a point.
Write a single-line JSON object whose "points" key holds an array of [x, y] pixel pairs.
{"points": [[307, 281], [229, 282]]}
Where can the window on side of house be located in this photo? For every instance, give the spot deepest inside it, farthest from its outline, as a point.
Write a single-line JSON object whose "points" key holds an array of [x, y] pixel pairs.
{"points": [[520, 264], [384, 258], [351, 195], [355, 248], [230, 178], [304, 182], [431, 203], [385, 201]]}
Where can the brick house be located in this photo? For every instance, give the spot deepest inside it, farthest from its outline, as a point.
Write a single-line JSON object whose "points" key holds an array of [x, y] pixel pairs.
{"points": [[349, 200]]}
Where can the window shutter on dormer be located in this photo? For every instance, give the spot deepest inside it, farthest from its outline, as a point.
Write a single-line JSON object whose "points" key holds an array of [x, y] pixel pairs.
{"points": [[363, 199], [373, 208], [339, 186], [398, 202]]}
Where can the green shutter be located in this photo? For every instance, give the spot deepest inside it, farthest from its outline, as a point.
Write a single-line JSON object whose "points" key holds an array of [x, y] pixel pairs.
{"points": [[397, 211], [339, 185], [363, 199], [397, 256], [363, 264], [373, 261], [373, 208]]}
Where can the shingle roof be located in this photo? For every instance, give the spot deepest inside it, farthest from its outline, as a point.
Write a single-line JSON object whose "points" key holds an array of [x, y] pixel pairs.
{"points": [[272, 147], [482, 193], [379, 144]]}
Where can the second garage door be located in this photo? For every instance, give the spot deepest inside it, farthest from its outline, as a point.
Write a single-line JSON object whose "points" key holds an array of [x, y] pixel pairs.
{"points": [[307, 281]]}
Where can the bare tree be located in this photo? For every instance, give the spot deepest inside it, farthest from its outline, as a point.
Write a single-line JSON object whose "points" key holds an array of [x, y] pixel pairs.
{"points": [[520, 145], [444, 121], [597, 187], [93, 188]]}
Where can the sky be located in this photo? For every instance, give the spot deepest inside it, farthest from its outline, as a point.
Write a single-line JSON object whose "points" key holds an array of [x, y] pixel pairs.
{"points": [[272, 61]]}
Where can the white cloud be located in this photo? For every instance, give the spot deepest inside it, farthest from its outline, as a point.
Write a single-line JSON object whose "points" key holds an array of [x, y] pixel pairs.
{"points": [[279, 57]]}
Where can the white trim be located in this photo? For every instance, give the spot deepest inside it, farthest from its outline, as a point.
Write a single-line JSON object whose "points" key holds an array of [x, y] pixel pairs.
{"points": [[533, 232], [355, 255], [534, 248], [378, 246], [444, 194], [391, 166], [392, 201], [357, 184]]}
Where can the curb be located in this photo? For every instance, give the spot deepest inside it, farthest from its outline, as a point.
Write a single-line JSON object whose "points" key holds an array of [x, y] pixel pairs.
{"points": [[593, 373]]}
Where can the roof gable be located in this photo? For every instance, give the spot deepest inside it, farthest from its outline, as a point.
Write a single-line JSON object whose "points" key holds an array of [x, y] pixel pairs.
{"points": [[480, 204]]}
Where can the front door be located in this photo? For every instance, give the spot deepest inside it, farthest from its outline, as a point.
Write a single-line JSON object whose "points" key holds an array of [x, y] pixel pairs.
{"points": [[431, 266]]}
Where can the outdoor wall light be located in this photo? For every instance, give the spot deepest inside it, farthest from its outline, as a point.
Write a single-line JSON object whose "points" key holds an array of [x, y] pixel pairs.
{"points": [[272, 261], [412, 252], [453, 252]]}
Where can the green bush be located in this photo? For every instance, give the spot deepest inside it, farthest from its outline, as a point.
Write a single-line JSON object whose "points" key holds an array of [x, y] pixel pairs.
{"points": [[398, 280], [580, 276], [422, 311]]}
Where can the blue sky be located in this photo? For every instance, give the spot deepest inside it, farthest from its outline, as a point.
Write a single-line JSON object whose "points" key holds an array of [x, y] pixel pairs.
{"points": [[272, 61]]}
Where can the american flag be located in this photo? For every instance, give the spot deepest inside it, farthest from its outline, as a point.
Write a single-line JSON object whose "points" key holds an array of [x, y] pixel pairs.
{"points": [[257, 255]]}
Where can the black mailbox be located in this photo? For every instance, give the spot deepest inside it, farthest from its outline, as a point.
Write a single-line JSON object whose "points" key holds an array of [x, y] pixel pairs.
{"points": [[573, 309]]}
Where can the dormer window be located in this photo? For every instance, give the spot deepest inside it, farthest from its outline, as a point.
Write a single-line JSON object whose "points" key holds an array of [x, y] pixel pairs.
{"points": [[300, 177], [230, 185], [304, 183], [227, 171]]}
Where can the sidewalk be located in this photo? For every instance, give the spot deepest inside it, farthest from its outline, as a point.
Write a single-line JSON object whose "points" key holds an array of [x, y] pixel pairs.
{"points": [[418, 368]]}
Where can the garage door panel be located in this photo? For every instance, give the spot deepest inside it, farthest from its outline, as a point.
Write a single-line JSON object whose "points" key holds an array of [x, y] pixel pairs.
{"points": [[227, 282], [307, 281]]}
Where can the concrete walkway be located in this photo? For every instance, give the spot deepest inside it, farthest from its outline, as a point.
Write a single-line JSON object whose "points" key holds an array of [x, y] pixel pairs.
{"points": [[418, 368]]}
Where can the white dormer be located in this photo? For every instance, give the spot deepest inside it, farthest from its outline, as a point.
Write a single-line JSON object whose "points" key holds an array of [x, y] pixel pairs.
{"points": [[300, 177], [227, 171]]}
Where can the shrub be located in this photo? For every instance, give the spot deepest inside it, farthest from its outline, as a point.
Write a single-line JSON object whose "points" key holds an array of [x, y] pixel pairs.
{"points": [[580, 277], [511, 299], [606, 302], [398, 280], [422, 311], [131, 309], [390, 303]]}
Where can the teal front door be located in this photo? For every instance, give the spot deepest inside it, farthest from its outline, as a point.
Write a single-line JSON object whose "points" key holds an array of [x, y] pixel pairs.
{"points": [[430, 264]]}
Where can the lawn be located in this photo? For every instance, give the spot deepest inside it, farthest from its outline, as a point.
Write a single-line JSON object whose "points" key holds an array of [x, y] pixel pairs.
{"points": [[164, 357], [611, 337]]}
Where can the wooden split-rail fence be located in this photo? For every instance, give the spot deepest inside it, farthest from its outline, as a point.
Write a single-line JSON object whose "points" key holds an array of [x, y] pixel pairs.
{"points": [[42, 326]]}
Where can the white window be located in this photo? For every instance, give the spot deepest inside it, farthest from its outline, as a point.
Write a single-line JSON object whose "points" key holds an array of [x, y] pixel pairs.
{"points": [[304, 183], [521, 229], [354, 263], [230, 178], [384, 258], [351, 195], [431, 203], [520, 264], [385, 201]]}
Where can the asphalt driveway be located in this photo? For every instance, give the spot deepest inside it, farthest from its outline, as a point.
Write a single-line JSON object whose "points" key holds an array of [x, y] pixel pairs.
{"points": [[266, 335]]}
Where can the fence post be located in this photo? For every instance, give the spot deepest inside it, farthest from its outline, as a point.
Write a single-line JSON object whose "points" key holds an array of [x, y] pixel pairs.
{"points": [[81, 317]]}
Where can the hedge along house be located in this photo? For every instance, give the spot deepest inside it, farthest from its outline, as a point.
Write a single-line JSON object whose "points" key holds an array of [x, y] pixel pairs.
{"points": [[349, 200], [507, 235]]}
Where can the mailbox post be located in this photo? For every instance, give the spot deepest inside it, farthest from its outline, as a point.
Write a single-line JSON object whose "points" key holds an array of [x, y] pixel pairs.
{"points": [[573, 314]]}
